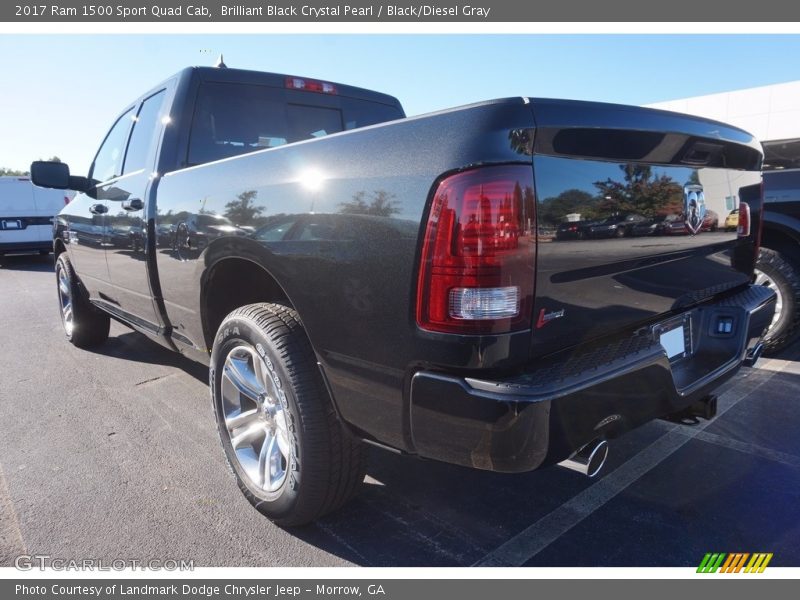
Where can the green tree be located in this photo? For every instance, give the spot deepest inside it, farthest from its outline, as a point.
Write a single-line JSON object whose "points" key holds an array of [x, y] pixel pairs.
{"points": [[244, 210], [6, 172], [380, 204], [639, 191], [553, 210]]}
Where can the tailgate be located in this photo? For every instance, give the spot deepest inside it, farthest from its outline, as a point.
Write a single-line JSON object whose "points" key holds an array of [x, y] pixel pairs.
{"points": [[651, 190]]}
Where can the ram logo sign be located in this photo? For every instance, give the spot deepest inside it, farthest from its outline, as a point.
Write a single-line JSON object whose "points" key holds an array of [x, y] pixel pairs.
{"points": [[736, 562], [694, 207]]}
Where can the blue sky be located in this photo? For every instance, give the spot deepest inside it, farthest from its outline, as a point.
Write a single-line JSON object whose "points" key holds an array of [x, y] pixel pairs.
{"points": [[61, 93]]}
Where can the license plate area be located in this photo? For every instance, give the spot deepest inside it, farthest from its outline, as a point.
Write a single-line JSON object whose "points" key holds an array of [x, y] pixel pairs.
{"points": [[12, 224], [675, 336]]}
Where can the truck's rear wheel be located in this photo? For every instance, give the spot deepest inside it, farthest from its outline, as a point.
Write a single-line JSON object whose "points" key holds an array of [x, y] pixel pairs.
{"points": [[776, 271], [291, 456], [84, 325]]}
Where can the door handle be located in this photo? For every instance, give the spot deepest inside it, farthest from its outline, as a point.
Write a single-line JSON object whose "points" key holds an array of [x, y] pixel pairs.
{"points": [[133, 204], [98, 209]]}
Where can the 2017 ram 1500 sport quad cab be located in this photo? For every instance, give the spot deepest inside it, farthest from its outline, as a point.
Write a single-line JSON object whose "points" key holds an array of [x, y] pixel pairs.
{"points": [[352, 275]]}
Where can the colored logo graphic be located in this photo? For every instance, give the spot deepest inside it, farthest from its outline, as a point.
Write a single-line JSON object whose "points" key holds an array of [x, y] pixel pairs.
{"points": [[735, 562]]}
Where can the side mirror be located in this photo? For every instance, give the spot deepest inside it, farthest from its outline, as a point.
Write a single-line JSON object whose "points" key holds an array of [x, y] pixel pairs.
{"points": [[56, 175], [50, 174]]}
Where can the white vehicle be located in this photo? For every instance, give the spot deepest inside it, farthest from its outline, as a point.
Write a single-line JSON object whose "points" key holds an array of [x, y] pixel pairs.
{"points": [[26, 215]]}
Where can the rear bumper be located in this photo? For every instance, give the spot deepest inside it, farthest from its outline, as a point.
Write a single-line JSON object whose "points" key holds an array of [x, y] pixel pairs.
{"points": [[26, 246], [544, 415]]}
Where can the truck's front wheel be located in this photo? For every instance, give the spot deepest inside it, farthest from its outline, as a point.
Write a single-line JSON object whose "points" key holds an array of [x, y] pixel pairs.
{"points": [[84, 325], [292, 458]]}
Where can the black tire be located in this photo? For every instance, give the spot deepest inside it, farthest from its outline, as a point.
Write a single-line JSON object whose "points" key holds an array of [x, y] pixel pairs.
{"points": [[784, 275], [86, 326], [324, 463]]}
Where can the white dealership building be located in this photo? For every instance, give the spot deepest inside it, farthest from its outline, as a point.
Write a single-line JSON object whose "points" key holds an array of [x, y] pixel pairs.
{"points": [[771, 113]]}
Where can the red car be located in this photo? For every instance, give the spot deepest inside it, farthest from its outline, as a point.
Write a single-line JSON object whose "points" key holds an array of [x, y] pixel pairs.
{"points": [[676, 224]]}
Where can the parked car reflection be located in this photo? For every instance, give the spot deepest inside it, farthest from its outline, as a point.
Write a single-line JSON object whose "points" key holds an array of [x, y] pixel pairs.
{"points": [[653, 226], [732, 220], [165, 235], [676, 224], [573, 230], [317, 240], [619, 225], [334, 228], [195, 233]]}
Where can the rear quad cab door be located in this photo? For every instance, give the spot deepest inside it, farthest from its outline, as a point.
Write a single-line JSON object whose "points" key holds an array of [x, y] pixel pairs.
{"points": [[85, 218]]}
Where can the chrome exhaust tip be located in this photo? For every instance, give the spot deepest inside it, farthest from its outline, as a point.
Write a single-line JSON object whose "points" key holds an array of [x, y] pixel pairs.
{"points": [[589, 460], [753, 354]]}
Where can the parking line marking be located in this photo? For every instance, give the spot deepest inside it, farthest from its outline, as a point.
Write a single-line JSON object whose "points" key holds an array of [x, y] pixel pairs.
{"points": [[790, 460], [780, 365], [431, 543], [519, 549], [434, 519], [11, 543], [365, 562]]}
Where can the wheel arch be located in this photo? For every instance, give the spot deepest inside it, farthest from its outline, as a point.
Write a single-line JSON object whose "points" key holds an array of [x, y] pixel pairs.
{"points": [[59, 247], [779, 237], [232, 282]]}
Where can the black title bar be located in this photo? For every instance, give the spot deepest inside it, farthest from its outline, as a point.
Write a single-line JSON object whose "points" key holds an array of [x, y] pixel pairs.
{"points": [[266, 588], [601, 11]]}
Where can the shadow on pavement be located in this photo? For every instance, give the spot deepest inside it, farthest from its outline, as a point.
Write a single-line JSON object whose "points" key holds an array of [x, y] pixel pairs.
{"points": [[137, 347], [26, 262], [414, 512]]}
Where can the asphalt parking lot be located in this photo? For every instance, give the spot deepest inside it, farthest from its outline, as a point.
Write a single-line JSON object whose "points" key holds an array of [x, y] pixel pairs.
{"points": [[113, 454]]}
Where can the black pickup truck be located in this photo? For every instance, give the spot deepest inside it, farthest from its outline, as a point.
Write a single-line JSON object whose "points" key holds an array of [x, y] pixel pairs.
{"points": [[778, 265], [351, 275]]}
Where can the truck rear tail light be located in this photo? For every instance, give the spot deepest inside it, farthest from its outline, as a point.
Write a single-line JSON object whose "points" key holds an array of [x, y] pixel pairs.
{"points": [[310, 85], [478, 304], [477, 265], [744, 220]]}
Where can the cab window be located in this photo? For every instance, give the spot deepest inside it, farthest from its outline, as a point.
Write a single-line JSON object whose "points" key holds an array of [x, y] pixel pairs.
{"points": [[144, 130], [108, 162]]}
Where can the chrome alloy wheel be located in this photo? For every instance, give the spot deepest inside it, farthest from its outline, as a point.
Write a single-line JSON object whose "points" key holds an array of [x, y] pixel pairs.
{"points": [[65, 299], [255, 418], [765, 280]]}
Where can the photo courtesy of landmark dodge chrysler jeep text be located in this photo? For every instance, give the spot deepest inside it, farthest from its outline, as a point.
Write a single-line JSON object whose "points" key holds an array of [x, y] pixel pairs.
{"points": [[352, 275]]}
